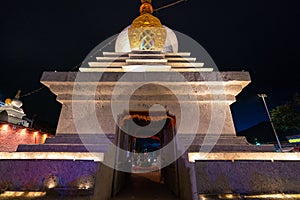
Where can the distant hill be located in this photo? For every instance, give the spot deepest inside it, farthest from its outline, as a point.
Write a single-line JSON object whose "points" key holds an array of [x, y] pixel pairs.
{"points": [[262, 132]]}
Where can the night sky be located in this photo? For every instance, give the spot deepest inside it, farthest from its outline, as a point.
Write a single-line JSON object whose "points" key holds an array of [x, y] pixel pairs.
{"points": [[259, 36]]}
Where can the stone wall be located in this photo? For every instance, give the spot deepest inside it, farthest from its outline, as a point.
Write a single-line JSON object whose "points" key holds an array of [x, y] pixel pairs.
{"points": [[41, 175], [11, 137], [247, 177]]}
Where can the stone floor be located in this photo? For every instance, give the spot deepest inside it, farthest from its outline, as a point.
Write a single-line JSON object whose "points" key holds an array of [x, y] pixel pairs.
{"points": [[145, 187]]}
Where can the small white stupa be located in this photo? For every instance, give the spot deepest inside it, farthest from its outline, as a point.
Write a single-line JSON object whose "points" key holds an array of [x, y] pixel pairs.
{"points": [[11, 111]]}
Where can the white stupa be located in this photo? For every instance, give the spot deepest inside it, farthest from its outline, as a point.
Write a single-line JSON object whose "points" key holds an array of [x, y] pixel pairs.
{"points": [[11, 111], [144, 46]]}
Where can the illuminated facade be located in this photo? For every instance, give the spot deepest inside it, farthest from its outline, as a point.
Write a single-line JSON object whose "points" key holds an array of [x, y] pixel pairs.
{"points": [[194, 107], [12, 137]]}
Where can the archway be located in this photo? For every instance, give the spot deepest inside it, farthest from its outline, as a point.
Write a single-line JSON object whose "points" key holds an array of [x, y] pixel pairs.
{"points": [[144, 149]]}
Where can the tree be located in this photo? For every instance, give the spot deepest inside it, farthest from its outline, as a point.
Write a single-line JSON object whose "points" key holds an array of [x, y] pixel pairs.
{"points": [[287, 117]]}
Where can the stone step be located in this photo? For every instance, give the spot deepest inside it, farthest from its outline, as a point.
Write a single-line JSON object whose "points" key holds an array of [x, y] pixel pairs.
{"points": [[180, 59], [115, 54], [101, 69], [179, 54], [209, 140], [76, 141], [222, 139], [107, 64], [154, 53], [112, 59], [192, 69], [146, 61], [146, 56], [126, 69], [231, 148], [110, 135], [185, 65], [80, 139], [146, 52], [229, 136], [146, 68]]}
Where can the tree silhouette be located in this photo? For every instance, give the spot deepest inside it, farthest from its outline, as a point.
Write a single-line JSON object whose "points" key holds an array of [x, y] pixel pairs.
{"points": [[287, 117]]}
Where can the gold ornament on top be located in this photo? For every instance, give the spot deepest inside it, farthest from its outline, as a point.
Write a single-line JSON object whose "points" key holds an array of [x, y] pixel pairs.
{"points": [[146, 1], [8, 101], [146, 31]]}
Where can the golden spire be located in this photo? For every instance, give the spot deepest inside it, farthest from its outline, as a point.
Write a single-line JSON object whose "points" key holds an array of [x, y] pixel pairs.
{"points": [[9, 101], [146, 7], [146, 31], [18, 95]]}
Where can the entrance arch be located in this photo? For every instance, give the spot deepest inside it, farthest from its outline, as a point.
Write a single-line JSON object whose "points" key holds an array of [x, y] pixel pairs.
{"points": [[145, 149]]}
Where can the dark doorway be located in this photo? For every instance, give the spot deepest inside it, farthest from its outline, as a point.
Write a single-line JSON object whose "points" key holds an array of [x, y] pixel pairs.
{"points": [[145, 146]]}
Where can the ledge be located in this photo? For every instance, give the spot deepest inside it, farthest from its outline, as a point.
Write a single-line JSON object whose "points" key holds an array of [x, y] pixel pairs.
{"points": [[237, 76], [97, 157], [267, 156]]}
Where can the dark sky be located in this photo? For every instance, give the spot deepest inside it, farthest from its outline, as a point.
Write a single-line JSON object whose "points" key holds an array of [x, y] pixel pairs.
{"points": [[259, 36]]}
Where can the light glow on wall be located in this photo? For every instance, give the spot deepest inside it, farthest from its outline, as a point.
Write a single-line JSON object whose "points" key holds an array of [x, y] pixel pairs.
{"points": [[5, 127], [273, 196], [271, 156], [44, 138], [95, 156], [51, 182], [258, 196], [229, 196], [22, 194], [23, 131], [51, 185], [83, 186], [202, 197], [14, 135]]}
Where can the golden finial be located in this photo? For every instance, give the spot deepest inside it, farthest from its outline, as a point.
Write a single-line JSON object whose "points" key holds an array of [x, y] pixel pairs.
{"points": [[146, 7], [146, 31]]}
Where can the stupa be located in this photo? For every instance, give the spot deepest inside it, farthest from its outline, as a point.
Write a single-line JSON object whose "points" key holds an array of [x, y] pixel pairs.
{"points": [[11, 111], [148, 89], [114, 89]]}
